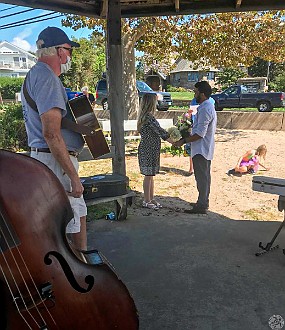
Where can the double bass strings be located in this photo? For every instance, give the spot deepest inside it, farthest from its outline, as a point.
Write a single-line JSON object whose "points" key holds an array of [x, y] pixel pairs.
{"points": [[24, 281], [11, 291]]}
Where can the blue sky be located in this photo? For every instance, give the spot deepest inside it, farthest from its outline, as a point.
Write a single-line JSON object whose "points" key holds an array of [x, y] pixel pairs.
{"points": [[25, 36]]}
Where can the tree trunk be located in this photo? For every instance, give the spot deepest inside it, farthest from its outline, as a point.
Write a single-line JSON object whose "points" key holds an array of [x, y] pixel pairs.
{"points": [[129, 80]]}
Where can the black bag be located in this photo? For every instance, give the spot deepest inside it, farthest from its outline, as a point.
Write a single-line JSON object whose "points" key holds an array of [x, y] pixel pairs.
{"points": [[104, 185]]}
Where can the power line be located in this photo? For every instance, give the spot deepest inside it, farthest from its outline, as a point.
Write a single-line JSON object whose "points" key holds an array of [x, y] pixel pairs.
{"points": [[20, 12], [8, 8], [40, 20], [28, 19]]}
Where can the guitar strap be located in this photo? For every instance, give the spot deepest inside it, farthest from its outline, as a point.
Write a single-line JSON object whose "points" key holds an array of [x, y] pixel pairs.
{"points": [[65, 122]]}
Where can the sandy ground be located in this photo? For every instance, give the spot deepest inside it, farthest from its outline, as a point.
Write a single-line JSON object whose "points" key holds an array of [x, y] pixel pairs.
{"points": [[230, 197]]}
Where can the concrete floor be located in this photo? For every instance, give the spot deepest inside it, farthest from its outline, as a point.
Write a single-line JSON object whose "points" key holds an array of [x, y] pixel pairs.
{"points": [[195, 271]]}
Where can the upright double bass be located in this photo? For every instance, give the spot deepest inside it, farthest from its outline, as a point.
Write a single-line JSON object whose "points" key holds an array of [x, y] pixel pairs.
{"points": [[43, 283]]}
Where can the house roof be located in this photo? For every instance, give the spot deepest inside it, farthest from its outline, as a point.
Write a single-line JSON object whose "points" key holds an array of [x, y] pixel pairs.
{"points": [[6, 46], [136, 8], [151, 72], [186, 66]]}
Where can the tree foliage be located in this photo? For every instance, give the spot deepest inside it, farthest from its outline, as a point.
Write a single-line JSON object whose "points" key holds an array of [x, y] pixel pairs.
{"points": [[232, 39], [278, 83], [88, 63], [220, 40], [262, 68], [225, 39], [10, 86], [13, 135], [229, 76]]}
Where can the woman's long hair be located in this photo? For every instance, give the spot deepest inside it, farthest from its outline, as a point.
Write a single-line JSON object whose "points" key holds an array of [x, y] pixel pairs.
{"points": [[147, 105]]}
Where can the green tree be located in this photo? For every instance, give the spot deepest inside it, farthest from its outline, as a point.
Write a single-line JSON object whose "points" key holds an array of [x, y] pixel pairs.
{"points": [[262, 68], [88, 63], [10, 86], [220, 40], [278, 83], [229, 76], [140, 71], [12, 128]]}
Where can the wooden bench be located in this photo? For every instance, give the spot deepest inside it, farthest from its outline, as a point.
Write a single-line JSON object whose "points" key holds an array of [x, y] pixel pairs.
{"points": [[123, 201], [131, 126]]}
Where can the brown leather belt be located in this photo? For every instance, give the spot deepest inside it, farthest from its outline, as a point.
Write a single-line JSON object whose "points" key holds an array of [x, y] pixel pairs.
{"points": [[46, 150]]}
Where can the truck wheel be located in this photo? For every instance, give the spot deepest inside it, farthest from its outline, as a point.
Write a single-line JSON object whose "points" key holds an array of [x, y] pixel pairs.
{"points": [[264, 106], [105, 104], [218, 108]]}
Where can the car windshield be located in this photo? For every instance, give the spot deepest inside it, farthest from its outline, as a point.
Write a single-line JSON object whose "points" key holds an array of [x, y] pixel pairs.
{"points": [[143, 87]]}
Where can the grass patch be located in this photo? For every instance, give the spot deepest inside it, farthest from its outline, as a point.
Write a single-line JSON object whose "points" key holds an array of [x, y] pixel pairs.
{"points": [[174, 151], [259, 214], [99, 211], [181, 107], [182, 95], [252, 109]]}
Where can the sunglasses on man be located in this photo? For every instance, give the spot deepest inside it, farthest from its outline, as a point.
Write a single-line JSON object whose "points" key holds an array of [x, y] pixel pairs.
{"points": [[70, 49]]}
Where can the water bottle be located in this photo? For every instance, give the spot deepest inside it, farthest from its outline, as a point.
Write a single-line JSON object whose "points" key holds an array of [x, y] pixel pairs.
{"points": [[111, 216]]}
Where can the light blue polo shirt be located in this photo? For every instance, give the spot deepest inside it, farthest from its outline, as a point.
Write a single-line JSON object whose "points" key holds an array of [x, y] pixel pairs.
{"points": [[205, 126], [46, 89]]}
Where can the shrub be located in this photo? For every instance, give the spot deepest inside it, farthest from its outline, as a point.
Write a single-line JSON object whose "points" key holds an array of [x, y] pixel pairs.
{"points": [[12, 128], [170, 88], [278, 84], [174, 151], [10, 86], [229, 76]]}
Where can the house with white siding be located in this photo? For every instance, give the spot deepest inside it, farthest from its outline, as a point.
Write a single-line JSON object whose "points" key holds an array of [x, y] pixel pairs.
{"points": [[14, 61]]}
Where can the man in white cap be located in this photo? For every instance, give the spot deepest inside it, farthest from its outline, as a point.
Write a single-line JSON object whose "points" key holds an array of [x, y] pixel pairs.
{"points": [[44, 102]]}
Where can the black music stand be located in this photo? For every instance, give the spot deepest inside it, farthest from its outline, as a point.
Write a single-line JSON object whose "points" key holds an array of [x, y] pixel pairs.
{"points": [[268, 247]]}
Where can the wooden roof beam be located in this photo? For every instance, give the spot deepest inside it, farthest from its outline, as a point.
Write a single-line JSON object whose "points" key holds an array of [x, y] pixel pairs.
{"points": [[177, 5], [238, 3]]}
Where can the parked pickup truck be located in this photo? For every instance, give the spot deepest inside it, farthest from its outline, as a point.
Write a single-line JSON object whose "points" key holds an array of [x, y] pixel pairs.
{"points": [[237, 96]]}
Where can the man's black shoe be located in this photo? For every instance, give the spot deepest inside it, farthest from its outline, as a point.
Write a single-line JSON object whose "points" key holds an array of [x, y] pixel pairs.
{"points": [[196, 210]]}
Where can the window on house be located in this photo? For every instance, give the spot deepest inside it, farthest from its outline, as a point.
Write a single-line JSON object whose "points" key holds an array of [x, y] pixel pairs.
{"points": [[193, 76], [210, 75], [177, 77]]}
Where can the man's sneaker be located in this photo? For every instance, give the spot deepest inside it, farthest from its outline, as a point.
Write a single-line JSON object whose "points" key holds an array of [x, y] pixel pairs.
{"points": [[196, 210], [232, 172]]}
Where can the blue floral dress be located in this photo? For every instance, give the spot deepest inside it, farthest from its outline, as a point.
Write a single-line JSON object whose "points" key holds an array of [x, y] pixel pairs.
{"points": [[149, 147]]}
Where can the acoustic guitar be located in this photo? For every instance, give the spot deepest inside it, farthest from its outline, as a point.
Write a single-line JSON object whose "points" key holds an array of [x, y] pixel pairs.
{"points": [[85, 116]]}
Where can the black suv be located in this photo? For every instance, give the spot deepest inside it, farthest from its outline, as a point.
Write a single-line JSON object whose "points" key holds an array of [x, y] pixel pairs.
{"points": [[163, 103]]}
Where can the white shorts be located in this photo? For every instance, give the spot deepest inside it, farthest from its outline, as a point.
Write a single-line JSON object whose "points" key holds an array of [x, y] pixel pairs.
{"points": [[77, 204]]}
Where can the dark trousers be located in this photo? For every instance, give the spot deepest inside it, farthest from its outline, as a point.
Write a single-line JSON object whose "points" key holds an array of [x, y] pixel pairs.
{"points": [[202, 171]]}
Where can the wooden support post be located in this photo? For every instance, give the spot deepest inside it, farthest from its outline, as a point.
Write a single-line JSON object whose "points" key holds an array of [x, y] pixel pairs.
{"points": [[238, 3], [115, 80]]}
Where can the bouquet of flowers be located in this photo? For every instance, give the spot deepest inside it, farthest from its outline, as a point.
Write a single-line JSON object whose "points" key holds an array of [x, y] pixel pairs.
{"points": [[174, 133], [183, 124]]}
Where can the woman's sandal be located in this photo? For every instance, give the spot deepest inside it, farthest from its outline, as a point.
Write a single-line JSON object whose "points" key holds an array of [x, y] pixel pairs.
{"points": [[150, 205], [157, 204]]}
